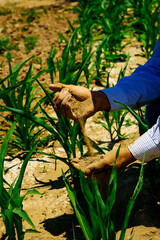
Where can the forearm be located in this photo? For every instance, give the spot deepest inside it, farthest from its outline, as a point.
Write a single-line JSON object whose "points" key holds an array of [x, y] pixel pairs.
{"points": [[124, 158]]}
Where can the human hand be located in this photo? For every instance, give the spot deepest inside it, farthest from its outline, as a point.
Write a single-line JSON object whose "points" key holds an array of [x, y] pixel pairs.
{"points": [[105, 165], [102, 165], [69, 98]]}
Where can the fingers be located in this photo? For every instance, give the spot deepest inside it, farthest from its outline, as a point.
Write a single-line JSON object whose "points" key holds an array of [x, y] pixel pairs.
{"points": [[75, 164], [100, 174], [88, 172], [63, 96], [58, 87], [91, 169], [79, 92], [61, 101], [98, 167]]}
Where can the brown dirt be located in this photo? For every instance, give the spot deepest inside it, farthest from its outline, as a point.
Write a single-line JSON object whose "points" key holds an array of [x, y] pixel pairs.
{"points": [[77, 108], [52, 212]]}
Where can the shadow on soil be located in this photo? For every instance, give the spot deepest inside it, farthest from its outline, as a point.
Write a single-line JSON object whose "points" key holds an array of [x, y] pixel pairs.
{"points": [[56, 184], [146, 210], [66, 224]]}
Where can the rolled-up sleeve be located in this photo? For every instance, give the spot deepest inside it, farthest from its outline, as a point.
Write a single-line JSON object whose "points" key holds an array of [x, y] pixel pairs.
{"points": [[148, 144]]}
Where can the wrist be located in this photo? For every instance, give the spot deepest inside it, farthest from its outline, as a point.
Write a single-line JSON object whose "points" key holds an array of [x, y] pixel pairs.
{"points": [[100, 101], [126, 156]]}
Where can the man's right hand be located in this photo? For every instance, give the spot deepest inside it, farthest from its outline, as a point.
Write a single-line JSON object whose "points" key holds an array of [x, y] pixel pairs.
{"points": [[90, 101]]}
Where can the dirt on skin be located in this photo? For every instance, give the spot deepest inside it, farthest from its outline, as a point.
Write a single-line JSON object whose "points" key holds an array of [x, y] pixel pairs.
{"points": [[52, 212]]}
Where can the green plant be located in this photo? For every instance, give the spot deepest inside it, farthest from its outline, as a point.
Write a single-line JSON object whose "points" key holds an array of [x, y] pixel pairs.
{"points": [[112, 21], [99, 61], [38, 60], [132, 202], [5, 11], [70, 68], [114, 121], [102, 19], [87, 11], [4, 29], [88, 67], [143, 126], [147, 23], [108, 124], [6, 45], [119, 117], [30, 42], [11, 202], [60, 128], [45, 10], [51, 64], [20, 95], [2, 64], [31, 15], [98, 223]]}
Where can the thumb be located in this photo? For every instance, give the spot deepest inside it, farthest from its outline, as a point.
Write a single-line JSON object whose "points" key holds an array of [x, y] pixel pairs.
{"points": [[57, 87]]}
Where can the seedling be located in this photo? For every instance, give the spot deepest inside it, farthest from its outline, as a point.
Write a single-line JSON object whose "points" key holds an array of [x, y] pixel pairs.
{"points": [[30, 43], [6, 45], [10, 200], [31, 15], [20, 95]]}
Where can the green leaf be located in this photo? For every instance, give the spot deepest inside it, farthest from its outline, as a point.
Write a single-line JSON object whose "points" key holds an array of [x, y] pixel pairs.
{"points": [[143, 127], [85, 188], [31, 231], [8, 221], [85, 226], [22, 171], [50, 63], [100, 210], [64, 60], [3, 152], [33, 191], [132, 201], [99, 201], [21, 213]]}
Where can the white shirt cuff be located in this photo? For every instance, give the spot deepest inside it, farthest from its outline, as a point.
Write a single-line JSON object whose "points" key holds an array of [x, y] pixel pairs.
{"points": [[144, 147]]}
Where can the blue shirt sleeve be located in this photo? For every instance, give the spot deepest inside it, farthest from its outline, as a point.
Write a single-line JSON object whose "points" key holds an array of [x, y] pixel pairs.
{"points": [[142, 86]]}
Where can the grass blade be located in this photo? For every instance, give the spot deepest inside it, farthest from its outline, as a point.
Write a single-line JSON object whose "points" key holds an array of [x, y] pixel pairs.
{"points": [[3, 152], [79, 212], [21, 213], [132, 201]]}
